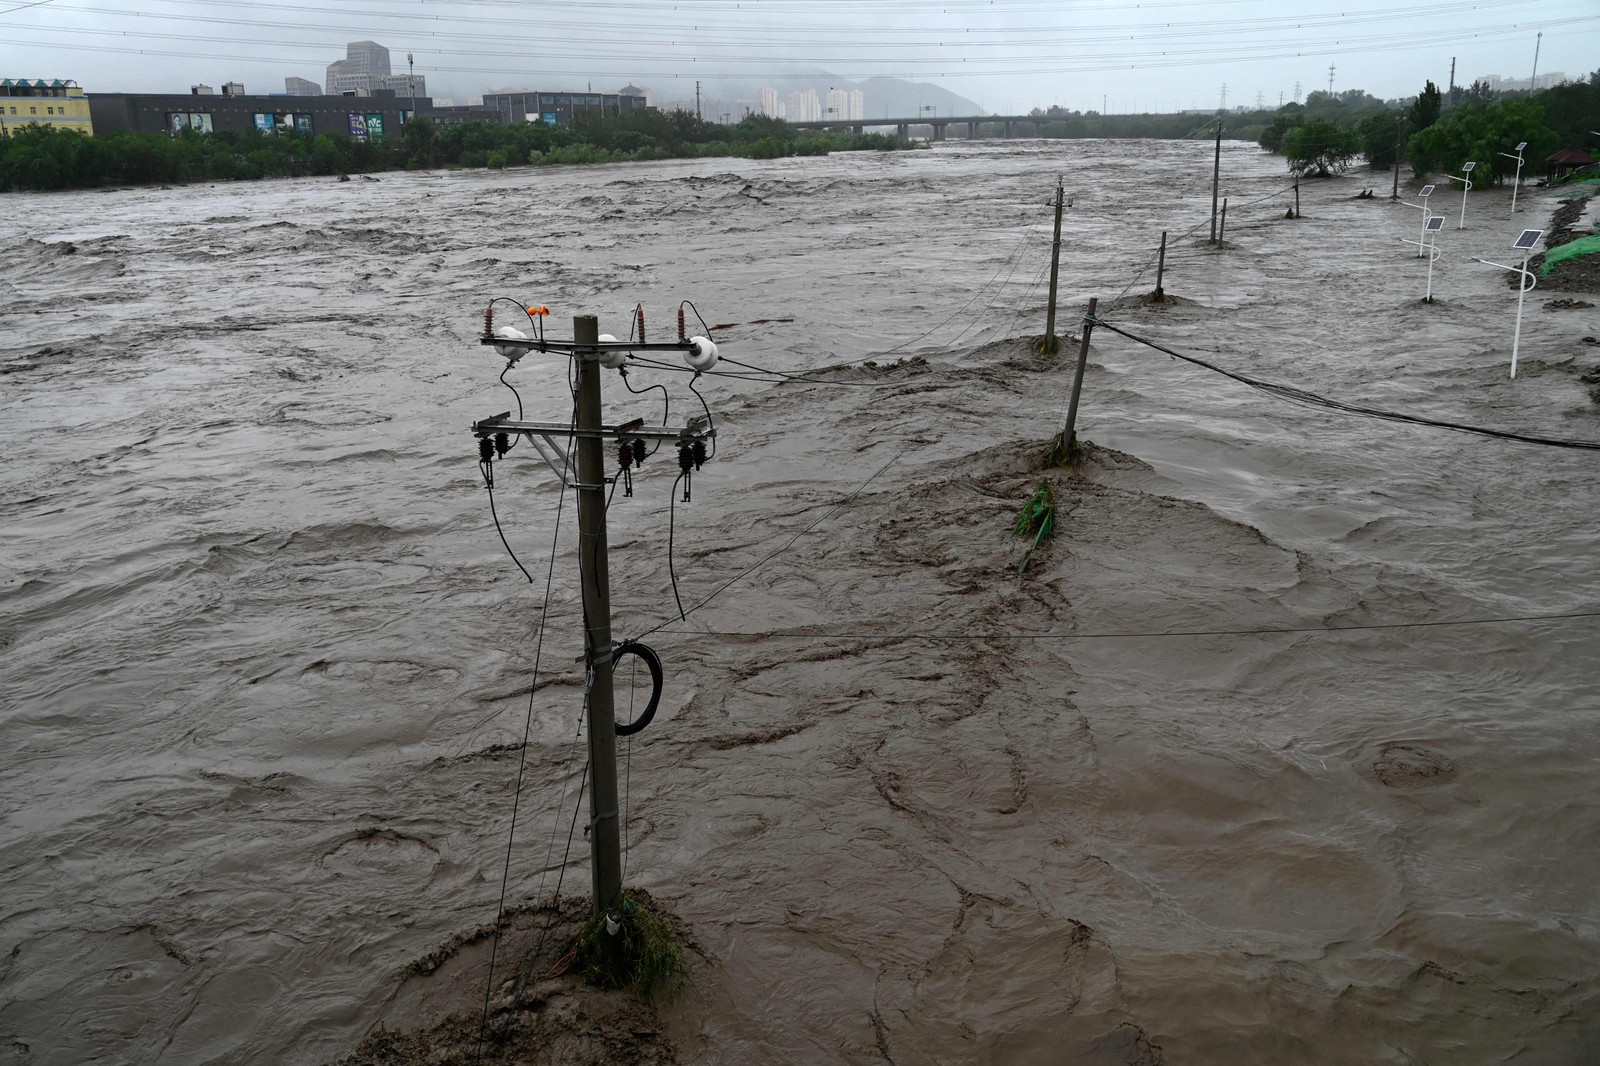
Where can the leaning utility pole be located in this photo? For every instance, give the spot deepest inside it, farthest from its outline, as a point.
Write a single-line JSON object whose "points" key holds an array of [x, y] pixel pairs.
{"points": [[1160, 295], [1069, 435], [1049, 347], [605, 840], [1216, 181]]}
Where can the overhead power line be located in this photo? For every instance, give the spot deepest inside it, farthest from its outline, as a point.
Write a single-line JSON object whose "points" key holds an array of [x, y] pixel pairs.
{"points": [[1297, 395]]}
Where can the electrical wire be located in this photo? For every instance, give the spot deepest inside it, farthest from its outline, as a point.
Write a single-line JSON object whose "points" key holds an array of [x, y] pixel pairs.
{"points": [[1011, 635], [1297, 395], [527, 728], [672, 570]]}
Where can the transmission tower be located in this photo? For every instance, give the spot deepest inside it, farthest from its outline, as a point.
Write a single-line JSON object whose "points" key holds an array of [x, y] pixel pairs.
{"points": [[1330, 79]]}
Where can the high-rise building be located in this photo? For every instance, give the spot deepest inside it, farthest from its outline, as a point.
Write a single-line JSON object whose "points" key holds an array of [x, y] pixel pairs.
{"points": [[301, 87], [858, 104], [838, 105], [803, 107], [771, 106], [366, 67]]}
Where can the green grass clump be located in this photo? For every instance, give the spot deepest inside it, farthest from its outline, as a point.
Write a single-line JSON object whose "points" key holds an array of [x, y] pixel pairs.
{"points": [[642, 954], [1038, 516]]}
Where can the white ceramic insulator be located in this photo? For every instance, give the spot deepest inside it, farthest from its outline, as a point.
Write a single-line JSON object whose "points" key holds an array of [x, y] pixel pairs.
{"points": [[703, 354], [510, 333], [614, 359]]}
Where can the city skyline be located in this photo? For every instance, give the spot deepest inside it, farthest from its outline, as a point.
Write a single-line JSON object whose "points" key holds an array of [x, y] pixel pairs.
{"points": [[1008, 55]]}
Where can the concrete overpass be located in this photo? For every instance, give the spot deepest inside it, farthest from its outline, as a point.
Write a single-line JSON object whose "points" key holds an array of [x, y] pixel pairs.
{"points": [[1014, 125]]}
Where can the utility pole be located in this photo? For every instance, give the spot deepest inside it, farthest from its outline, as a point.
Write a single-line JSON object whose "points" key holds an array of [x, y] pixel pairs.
{"points": [[1055, 267], [1160, 295], [1533, 79], [1216, 182], [604, 833], [1452, 93], [1224, 105], [696, 99], [1069, 435], [587, 437], [411, 81], [1223, 227], [1399, 151]]}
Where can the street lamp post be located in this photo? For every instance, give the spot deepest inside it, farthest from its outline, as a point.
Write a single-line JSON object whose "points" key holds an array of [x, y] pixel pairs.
{"points": [[1517, 181]]}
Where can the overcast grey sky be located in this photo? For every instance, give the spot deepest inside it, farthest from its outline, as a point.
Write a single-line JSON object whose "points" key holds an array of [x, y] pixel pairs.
{"points": [[1009, 55]]}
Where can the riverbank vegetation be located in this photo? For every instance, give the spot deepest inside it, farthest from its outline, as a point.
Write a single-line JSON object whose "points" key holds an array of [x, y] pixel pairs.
{"points": [[1436, 132], [42, 158]]}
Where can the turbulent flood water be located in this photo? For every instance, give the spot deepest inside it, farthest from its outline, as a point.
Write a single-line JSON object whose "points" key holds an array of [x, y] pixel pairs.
{"points": [[263, 652]]}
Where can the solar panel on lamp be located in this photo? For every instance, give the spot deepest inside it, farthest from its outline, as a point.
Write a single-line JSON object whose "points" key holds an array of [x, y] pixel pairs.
{"points": [[1529, 238], [1436, 223], [1466, 168], [1427, 191]]}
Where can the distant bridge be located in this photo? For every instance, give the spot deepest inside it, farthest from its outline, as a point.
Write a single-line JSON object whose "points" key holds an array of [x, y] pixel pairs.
{"points": [[1014, 124]]}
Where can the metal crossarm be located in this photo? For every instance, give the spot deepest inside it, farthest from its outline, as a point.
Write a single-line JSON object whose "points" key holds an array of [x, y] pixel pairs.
{"points": [[543, 436]]}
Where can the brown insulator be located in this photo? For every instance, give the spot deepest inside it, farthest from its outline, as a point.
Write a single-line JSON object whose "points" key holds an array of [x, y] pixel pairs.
{"points": [[641, 324], [488, 322], [681, 337], [639, 452]]}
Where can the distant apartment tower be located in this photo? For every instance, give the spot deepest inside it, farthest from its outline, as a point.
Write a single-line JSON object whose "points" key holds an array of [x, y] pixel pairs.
{"points": [[838, 105], [771, 106], [803, 107], [301, 87], [858, 104]]}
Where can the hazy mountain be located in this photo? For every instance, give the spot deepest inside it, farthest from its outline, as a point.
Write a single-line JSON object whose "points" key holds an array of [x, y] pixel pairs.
{"points": [[891, 97]]}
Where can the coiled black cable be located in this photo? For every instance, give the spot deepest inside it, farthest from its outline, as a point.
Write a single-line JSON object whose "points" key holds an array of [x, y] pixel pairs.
{"points": [[652, 663]]}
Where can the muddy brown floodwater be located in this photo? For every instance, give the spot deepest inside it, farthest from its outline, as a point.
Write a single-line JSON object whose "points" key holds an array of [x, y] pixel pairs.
{"points": [[263, 653]]}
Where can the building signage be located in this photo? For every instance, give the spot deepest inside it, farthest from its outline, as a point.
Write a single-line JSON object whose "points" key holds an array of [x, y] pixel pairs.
{"points": [[178, 121], [374, 125], [358, 127], [279, 121]]}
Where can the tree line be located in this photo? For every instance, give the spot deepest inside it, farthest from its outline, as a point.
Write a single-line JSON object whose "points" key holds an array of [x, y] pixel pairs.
{"points": [[37, 157], [1327, 135]]}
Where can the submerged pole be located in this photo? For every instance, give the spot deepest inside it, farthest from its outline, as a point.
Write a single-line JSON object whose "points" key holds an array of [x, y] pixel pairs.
{"points": [[1055, 267], [1069, 438], [605, 841]]}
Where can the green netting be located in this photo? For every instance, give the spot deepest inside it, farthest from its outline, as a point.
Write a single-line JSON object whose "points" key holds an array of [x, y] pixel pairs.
{"points": [[1581, 246]]}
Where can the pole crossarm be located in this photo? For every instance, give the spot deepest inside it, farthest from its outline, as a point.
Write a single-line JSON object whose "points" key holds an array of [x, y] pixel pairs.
{"points": [[534, 344], [543, 436], [505, 424]]}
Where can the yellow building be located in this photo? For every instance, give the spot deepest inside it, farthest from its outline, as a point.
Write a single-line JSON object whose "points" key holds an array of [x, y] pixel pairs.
{"points": [[50, 103]]}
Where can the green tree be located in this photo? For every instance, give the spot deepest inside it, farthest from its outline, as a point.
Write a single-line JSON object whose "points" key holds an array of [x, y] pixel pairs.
{"points": [[1424, 111], [1320, 148], [1479, 134], [1380, 139], [1272, 137]]}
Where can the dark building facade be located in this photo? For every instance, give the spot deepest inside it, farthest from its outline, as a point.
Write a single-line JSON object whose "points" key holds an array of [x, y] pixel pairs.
{"points": [[382, 114], [559, 109]]}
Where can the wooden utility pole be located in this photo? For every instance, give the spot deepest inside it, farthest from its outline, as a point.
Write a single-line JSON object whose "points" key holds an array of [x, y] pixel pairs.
{"points": [[1216, 181], [1399, 150], [1297, 196], [1222, 227], [1160, 294], [605, 842], [1055, 267], [1069, 439]]}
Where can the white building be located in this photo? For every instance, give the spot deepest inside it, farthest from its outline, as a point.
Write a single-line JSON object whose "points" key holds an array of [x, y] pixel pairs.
{"points": [[838, 105], [803, 107], [771, 106], [366, 67], [858, 104]]}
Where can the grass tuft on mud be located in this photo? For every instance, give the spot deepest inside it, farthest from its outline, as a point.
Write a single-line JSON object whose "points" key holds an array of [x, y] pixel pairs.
{"points": [[642, 953]]}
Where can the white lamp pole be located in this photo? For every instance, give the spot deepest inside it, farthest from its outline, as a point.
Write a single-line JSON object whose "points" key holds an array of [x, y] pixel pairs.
{"points": [[1523, 244], [1466, 187], [1518, 180]]}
